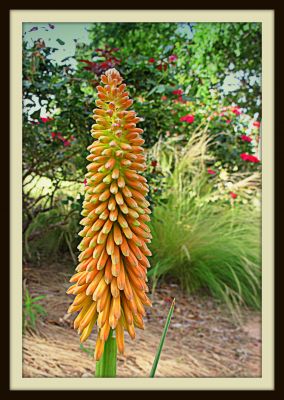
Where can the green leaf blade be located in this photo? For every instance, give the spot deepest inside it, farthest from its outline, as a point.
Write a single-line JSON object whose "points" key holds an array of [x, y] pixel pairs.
{"points": [[160, 347]]}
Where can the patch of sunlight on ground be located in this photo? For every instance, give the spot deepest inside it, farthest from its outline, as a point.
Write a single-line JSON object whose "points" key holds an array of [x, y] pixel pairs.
{"points": [[43, 186]]}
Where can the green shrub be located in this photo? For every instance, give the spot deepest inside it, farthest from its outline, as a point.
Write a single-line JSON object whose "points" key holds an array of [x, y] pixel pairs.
{"points": [[201, 235]]}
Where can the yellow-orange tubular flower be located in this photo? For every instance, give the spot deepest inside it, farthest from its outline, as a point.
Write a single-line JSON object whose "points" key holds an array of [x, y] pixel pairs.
{"points": [[110, 283]]}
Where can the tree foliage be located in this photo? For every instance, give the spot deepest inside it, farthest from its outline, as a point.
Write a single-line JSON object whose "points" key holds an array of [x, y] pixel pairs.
{"points": [[175, 74]]}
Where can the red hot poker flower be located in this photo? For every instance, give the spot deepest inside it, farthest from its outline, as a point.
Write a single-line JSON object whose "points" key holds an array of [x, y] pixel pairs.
{"points": [[110, 286]]}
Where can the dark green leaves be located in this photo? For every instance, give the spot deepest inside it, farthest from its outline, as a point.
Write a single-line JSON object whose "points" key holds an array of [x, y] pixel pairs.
{"points": [[60, 42]]}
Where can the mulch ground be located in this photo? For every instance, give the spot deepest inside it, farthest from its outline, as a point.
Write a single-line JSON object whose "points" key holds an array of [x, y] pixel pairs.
{"points": [[203, 339]]}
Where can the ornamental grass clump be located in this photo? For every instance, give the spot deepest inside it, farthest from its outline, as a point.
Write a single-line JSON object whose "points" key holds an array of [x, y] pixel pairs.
{"points": [[110, 284]]}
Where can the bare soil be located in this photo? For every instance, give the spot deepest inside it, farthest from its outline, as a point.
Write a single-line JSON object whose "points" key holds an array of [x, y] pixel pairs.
{"points": [[203, 339]]}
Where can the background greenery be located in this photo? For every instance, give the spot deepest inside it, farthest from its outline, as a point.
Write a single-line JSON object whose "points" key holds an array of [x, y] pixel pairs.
{"points": [[198, 89]]}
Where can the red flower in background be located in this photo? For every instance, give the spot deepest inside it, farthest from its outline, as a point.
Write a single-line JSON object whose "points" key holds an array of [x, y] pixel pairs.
{"points": [[85, 182], [228, 121], [46, 119], [244, 156], [162, 67], [104, 64], [172, 58], [233, 195], [253, 159], [246, 138], [58, 135], [236, 110], [91, 66], [151, 60], [164, 98], [211, 172], [249, 157], [99, 67], [256, 124], [179, 100], [178, 92], [187, 118]]}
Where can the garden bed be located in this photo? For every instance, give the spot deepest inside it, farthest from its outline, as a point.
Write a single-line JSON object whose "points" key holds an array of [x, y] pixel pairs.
{"points": [[203, 340]]}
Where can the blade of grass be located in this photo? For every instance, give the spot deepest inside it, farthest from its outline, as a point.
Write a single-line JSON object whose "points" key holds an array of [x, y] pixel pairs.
{"points": [[158, 354]]}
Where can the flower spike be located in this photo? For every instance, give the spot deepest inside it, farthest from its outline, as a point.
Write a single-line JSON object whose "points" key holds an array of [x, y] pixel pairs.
{"points": [[110, 279]]}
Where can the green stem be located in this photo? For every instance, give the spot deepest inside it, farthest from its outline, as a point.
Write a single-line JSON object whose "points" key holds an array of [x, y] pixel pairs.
{"points": [[106, 366]]}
